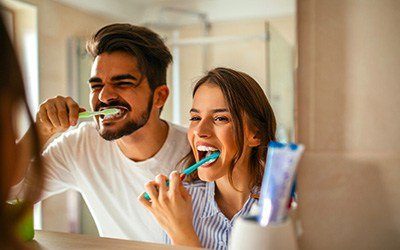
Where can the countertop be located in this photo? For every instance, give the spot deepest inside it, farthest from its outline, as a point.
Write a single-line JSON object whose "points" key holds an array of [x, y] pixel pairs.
{"points": [[47, 240]]}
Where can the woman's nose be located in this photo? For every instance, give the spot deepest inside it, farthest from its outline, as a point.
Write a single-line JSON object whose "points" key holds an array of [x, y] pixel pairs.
{"points": [[203, 129]]}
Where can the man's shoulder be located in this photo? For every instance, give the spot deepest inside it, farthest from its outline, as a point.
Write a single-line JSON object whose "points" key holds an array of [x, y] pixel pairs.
{"points": [[177, 128], [83, 132], [177, 135]]}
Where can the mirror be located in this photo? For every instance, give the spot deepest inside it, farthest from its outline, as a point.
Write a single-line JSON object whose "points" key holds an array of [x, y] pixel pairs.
{"points": [[261, 47], [255, 36]]}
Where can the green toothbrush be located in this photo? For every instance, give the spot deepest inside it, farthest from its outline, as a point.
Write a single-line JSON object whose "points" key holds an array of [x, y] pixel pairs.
{"points": [[87, 114]]}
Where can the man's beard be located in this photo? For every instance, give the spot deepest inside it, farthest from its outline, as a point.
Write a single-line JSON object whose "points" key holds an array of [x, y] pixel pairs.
{"points": [[130, 126]]}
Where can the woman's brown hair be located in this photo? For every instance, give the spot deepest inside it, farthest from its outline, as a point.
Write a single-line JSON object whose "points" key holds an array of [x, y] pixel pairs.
{"points": [[12, 97], [245, 99]]}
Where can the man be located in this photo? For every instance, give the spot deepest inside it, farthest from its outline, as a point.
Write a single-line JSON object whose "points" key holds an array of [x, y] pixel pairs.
{"points": [[110, 170]]}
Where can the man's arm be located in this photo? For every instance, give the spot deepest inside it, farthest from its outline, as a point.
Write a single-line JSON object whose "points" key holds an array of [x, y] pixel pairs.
{"points": [[55, 116]]}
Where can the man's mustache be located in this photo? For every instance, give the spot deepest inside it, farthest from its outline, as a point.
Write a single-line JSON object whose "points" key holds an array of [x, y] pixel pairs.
{"points": [[111, 104]]}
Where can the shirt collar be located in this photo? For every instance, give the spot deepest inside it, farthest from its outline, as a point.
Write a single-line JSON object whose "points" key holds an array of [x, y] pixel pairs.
{"points": [[211, 206]]}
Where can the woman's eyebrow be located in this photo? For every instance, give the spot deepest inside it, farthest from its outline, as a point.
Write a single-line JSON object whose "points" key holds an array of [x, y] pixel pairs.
{"points": [[219, 110]]}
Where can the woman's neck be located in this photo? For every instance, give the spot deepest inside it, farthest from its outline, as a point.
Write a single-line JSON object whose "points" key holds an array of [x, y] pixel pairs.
{"points": [[230, 200]]}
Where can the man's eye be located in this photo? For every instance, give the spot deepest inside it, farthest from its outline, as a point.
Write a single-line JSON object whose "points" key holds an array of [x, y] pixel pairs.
{"points": [[194, 118], [96, 86], [125, 84]]}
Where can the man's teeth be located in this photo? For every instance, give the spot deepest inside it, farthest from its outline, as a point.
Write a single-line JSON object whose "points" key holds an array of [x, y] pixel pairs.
{"points": [[114, 115]]}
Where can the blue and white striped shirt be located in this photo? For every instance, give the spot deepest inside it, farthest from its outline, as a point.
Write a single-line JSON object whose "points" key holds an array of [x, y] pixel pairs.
{"points": [[210, 224]]}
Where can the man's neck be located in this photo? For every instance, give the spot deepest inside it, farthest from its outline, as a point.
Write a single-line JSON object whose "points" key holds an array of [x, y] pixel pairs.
{"points": [[145, 142]]}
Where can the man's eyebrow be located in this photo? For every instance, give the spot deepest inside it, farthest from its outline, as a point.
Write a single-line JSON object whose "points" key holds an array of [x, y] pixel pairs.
{"points": [[123, 77], [94, 79], [193, 110], [114, 78]]}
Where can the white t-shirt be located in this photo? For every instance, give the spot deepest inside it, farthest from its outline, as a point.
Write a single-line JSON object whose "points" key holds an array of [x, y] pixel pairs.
{"points": [[109, 181]]}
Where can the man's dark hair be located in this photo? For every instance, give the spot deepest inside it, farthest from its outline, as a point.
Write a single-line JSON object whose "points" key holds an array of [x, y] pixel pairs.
{"points": [[145, 45]]}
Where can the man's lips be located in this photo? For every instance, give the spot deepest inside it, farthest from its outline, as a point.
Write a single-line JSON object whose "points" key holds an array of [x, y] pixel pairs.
{"points": [[111, 118]]}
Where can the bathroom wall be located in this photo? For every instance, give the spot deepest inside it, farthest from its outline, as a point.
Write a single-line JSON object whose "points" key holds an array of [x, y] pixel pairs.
{"points": [[348, 118]]}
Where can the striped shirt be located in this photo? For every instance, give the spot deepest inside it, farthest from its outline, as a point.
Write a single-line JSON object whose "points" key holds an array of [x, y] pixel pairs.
{"points": [[210, 224]]}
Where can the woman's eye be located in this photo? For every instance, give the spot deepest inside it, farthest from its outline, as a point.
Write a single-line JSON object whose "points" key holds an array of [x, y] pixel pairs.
{"points": [[221, 119]]}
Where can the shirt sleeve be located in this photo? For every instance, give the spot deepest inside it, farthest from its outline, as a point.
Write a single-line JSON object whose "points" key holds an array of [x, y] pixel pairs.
{"points": [[58, 163]]}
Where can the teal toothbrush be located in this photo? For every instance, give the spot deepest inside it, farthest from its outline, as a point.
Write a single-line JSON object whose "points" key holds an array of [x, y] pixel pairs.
{"points": [[209, 159], [87, 114]]}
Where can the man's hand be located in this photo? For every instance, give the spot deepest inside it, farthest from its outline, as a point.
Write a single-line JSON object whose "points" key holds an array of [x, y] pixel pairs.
{"points": [[56, 115]]}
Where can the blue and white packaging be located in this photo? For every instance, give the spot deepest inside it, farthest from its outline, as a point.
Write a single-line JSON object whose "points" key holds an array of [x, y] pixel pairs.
{"points": [[280, 169]]}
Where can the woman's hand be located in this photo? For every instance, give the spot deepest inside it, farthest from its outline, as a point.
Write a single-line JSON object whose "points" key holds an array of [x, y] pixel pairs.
{"points": [[172, 207]]}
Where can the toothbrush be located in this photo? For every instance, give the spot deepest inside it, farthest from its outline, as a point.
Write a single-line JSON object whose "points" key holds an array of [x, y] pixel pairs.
{"points": [[87, 114], [207, 160]]}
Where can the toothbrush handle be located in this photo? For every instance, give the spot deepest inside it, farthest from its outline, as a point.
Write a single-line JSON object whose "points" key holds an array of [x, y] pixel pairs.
{"points": [[147, 196], [86, 114]]}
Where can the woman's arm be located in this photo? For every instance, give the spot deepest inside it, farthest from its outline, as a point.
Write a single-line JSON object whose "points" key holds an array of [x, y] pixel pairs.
{"points": [[172, 207]]}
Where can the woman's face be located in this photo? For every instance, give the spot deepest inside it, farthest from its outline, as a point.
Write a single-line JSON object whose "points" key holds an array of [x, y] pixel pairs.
{"points": [[211, 129]]}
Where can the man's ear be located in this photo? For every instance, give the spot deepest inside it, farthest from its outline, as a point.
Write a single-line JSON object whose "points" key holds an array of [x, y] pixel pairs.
{"points": [[254, 139], [161, 94]]}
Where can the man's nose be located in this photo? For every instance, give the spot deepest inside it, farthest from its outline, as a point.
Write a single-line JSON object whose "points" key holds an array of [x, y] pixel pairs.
{"points": [[107, 94]]}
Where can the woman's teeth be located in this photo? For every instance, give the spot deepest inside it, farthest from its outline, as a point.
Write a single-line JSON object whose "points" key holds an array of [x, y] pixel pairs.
{"points": [[205, 151], [206, 148]]}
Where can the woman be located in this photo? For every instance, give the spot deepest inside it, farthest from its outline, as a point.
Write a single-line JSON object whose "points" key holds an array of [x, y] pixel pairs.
{"points": [[232, 115], [12, 98]]}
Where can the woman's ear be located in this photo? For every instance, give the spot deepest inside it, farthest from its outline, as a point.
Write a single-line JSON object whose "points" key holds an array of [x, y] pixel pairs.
{"points": [[254, 139], [160, 96]]}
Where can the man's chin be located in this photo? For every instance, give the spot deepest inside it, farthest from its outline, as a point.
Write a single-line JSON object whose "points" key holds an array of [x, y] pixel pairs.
{"points": [[114, 134], [110, 135]]}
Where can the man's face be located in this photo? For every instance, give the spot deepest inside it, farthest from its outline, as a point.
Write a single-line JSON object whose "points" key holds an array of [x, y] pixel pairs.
{"points": [[117, 82]]}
